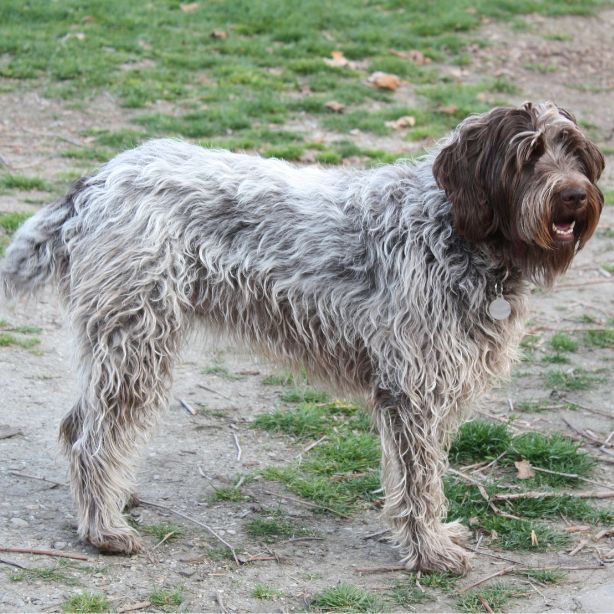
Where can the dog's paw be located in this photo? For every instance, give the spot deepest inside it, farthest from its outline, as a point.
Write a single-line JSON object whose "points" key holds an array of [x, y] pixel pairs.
{"points": [[120, 541], [457, 532], [445, 555]]}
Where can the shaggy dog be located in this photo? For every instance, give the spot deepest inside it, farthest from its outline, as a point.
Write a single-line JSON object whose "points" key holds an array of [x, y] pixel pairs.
{"points": [[404, 285]]}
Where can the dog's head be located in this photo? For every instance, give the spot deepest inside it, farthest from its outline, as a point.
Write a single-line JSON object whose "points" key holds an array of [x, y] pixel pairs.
{"points": [[523, 180]]}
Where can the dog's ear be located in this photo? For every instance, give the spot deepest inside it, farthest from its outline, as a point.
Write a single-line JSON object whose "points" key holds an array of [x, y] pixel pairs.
{"points": [[472, 169]]}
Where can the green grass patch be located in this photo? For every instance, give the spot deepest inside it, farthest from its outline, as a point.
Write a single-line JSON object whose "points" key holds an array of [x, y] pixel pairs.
{"points": [[10, 222], [275, 526], [284, 378], [574, 380], [561, 342], [498, 596], [228, 494], [405, 592], [304, 395], [166, 599], [55, 573], [27, 343], [345, 598], [161, 530], [600, 338], [87, 602], [479, 440], [544, 576], [264, 591], [21, 182]]}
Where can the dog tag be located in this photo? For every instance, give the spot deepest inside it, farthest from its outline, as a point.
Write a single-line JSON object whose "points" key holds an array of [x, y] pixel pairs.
{"points": [[499, 309]]}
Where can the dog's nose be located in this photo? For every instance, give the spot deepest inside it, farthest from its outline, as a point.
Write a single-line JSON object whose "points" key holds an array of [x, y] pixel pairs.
{"points": [[575, 197]]}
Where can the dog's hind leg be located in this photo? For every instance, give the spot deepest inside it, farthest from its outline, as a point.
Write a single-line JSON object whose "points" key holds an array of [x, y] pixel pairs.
{"points": [[126, 355], [414, 459]]}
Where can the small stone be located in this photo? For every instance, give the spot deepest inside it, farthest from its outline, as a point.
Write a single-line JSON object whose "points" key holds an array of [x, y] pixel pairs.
{"points": [[19, 523], [59, 545]]}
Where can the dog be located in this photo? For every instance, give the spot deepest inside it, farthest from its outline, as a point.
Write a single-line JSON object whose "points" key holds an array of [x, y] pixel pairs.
{"points": [[403, 285]]}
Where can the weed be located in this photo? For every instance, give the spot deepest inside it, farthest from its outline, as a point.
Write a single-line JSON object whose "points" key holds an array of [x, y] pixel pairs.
{"points": [[285, 378], [545, 576], [542, 405], [7, 339], [220, 553], [561, 342], [555, 359], [161, 530], [19, 182], [345, 598], [274, 527], [166, 599], [263, 591], [55, 573], [230, 493], [479, 440], [218, 368], [600, 337], [405, 593], [10, 222], [497, 596], [87, 602], [439, 579], [576, 379], [554, 452], [304, 395]]}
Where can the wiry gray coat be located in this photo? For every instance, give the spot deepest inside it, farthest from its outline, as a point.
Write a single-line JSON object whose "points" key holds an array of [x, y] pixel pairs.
{"points": [[369, 279]]}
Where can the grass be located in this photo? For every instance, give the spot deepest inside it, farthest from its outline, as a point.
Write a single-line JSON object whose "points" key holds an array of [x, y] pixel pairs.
{"points": [[561, 342], [55, 573], [345, 598], [21, 182], [10, 222], [161, 530], [263, 591], [220, 370], [227, 494], [405, 592], [166, 599], [27, 343], [574, 380], [236, 90], [284, 378], [274, 526], [479, 440], [544, 576], [498, 596], [600, 338], [87, 602]]}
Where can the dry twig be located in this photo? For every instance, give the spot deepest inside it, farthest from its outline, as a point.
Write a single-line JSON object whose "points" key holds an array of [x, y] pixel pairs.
{"points": [[501, 572], [197, 522], [58, 553]]}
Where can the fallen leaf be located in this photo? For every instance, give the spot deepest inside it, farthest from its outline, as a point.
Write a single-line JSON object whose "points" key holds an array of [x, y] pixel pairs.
{"points": [[406, 121], [385, 81], [337, 59], [333, 105], [525, 471], [450, 109], [88, 19], [417, 57], [219, 34], [534, 540], [189, 7]]}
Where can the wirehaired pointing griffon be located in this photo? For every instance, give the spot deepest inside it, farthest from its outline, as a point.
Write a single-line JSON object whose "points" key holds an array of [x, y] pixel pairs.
{"points": [[404, 285]]}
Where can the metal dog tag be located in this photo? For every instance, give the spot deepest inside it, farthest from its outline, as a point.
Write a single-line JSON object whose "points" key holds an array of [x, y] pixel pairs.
{"points": [[499, 309]]}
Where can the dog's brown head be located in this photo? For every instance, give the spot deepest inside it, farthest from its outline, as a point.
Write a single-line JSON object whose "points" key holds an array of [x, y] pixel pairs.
{"points": [[523, 181]]}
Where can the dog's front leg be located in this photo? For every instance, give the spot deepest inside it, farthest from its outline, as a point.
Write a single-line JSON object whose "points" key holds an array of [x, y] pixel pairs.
{"points": [[414, 459]]}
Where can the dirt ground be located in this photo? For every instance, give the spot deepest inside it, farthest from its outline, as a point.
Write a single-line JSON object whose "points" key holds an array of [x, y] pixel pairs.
{"points": [[191, 454]]}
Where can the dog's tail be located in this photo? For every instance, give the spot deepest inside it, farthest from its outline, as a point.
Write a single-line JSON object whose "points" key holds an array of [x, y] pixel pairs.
{"points": [[38, 251]]}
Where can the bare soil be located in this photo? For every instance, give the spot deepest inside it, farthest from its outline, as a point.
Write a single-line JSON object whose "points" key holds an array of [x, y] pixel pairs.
{"points": [[192, 454]]}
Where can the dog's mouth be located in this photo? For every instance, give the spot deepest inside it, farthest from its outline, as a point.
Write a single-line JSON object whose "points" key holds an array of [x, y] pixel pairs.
{"points": [[564, 231]]}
